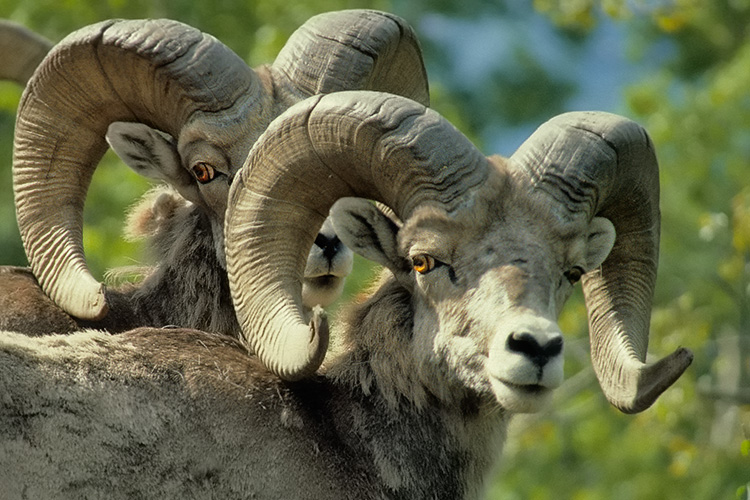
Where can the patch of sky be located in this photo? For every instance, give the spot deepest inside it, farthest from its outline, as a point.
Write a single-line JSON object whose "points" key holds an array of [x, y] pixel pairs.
{"points": [[598, 64]]}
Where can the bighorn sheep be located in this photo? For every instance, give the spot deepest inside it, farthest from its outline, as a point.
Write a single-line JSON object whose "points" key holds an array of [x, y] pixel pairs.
{"points": [[26, 308], [460, 334], [134, 79]]}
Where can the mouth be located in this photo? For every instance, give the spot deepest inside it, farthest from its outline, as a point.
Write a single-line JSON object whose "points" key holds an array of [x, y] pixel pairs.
{"points": [[324, 280], [520, 398], [531, 389]]}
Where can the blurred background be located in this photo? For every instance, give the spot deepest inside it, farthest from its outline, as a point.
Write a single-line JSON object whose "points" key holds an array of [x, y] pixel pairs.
{"points": [[497, 70]]}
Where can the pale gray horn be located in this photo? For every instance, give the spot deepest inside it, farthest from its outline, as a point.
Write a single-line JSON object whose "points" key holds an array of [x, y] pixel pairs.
{"points": [[364, 144], [599, 164], [354, 50]]}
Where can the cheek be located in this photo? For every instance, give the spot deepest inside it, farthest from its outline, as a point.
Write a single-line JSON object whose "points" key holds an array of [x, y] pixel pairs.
{"points": [[215, 195], [434, 288], [466, 360], [441, 338], [425, 329], [463, 349]]}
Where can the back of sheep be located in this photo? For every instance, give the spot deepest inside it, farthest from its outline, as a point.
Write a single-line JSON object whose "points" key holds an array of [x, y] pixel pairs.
{"points": [[163, 414]]}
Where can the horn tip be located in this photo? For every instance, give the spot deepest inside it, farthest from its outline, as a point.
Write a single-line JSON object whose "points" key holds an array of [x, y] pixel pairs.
{"points": [[652, 380], [96, 307], [99, 306], [304, 348], [84, 303]]}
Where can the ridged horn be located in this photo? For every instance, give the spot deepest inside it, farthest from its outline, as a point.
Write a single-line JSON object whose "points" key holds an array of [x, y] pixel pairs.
{"points": [[354, 50], [599, 164], [21, 51], [157, 72], [365, 144]]}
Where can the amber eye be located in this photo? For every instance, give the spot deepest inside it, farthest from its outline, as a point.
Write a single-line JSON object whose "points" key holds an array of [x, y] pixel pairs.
{"points": [[423, 263], [574, 275], [203, 172]]}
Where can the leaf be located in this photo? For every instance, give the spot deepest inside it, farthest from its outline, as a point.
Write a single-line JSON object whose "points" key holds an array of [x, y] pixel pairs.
{"points": [[742, 493], [745, 448]]}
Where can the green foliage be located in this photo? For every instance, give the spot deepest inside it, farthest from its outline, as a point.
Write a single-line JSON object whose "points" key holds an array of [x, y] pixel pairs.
{"points": [[10, 240], [526, 91]]}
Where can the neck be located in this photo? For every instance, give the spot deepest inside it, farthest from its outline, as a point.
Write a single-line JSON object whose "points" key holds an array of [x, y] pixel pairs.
{"points": [[436, 451], [419, 440], [188, 287]]}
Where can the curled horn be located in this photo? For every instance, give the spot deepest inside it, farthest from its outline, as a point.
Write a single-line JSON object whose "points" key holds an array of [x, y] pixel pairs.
{"points": [[22, 51], [365, 144], [157, 72], [598, 164], [354, 50]]}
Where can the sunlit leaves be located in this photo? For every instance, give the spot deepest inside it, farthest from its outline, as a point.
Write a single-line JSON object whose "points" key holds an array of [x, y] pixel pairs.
{"points": [[741, 221], [578, 14]]}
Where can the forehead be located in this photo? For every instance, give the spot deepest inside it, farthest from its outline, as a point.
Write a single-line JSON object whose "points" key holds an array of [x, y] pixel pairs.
{"points": [[227, 140], [523, 213], [508, 220]]}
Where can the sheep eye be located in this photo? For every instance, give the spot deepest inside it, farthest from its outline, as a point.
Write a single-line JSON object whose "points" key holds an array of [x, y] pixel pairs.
{"points": [[423, 263], [203, 172], [574, 275]]}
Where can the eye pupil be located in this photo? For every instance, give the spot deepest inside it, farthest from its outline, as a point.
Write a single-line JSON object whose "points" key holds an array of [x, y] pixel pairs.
{"points": [[203, 172], [423, 263]]}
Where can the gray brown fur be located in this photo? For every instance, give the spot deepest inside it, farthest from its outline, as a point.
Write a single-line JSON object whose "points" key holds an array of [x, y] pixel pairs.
{"points": [[172, 413], [25, 306], [188, 286]]}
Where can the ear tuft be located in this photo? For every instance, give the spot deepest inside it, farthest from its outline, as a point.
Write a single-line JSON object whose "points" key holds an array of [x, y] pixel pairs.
{"points": [[152, 213], [144, 149], [152, 154], [601, 240], [368, 231]]}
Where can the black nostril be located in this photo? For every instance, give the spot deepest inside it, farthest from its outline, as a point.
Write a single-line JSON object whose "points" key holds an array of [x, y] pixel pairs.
{"points": [[526, 344], [329, 245], [553, 347], [321, 241]]}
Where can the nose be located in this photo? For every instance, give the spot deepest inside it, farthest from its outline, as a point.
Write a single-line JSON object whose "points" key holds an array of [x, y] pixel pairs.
{"points": [[538, 351], [329, 244]]}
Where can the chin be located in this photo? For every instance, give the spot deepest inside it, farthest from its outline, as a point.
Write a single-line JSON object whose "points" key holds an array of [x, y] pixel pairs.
{"points": [[322, 290], [518, 398]]}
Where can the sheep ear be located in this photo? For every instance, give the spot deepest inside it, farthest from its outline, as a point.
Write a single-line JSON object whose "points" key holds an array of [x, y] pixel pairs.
{"points": [[600, 242], [152, 154], [370, 232]]}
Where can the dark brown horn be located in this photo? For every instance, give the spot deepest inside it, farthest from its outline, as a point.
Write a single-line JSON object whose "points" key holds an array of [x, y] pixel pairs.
{"points": [[599, 164], [365, 144], [157, 72]]}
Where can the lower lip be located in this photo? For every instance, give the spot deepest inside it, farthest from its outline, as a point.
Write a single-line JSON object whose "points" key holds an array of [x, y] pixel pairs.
{"points": [[323, 279], [528, 389]]}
